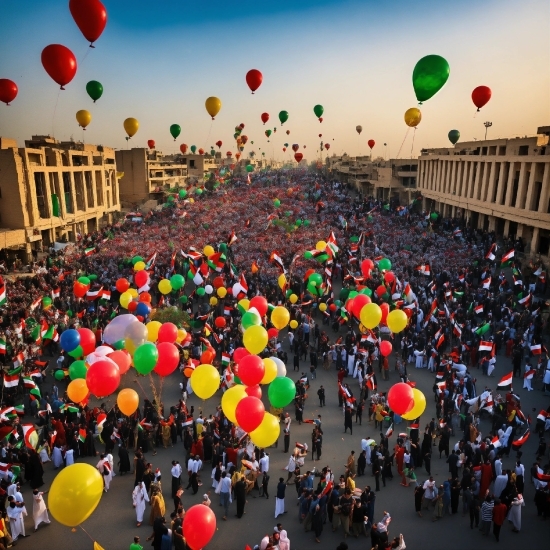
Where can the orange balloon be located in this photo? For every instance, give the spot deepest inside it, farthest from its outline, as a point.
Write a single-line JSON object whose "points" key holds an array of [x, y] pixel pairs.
{"points": [[207, 357], [145, 297], [127, 401], [77, 390]]}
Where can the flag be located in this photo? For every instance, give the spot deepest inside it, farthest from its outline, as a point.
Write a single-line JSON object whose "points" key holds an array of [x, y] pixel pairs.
{"points": [[541, 476], [105, 295], [485, 346], [536, 349], [495, 442], [424, 269], [150, 262], [227, 310], [389, 431], [2, 346], [35, 304], [51, 334], [487, 282], [89, 251], [517, 281], [457, 331], [507, 258], [457, 232], [440, 341], [483, 329], [192, 255], [11, 380], [248, 180], [232, 238], [82, 435], [529, 374], [92, 295], [226, 359], [56, 292], [479, 309], [525, 301], [505, 380], [491, 253], [3, 298], [275, 258], [31, 437], [216, 261]]}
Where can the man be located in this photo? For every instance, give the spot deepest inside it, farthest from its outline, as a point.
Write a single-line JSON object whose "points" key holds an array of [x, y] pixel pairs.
{"points": [[350, 464], [264, 463], [136, 545], [17, 525], [264, 487], [240, 496], [286, 432], [499, 515], [39, 512], [486, 515], [346, 510], [104, 469], [453, 464], [321, 394], [139, 498], [176, 477], [280, 499], [225, 490]]}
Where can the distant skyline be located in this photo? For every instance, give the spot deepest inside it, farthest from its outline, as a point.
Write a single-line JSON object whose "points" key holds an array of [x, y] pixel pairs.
{"points": [[159, 61]]}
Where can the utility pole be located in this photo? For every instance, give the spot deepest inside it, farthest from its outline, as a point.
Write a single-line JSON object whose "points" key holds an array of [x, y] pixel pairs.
{"points": [[487, 126]]}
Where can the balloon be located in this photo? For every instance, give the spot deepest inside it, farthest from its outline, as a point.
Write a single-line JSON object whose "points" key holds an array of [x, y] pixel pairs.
{"points": [[281, 392], [8, 90], [249, 168], [249, 413], [318, 110], [205, 381], [70, 339], [322, 307], [295, 147], [60, 374], [95, 90], [385, 348], [177, 281], [321, 246], [298, 157], [250, 319], [419, 406], [359, 302], [122, 285], [327, 146], [454, 136], [87, 340], [255, 339], [267, 133], [168, 360], [219, 144], [213, 106], [127, 401], [270, 371], [182, 335], [143, 309], [168, 332], [77, 390], [193, 148], [429, 76], [281, 369], [131, 125], [146, 357], [251, 370], [221, 292], [75, 493], [381, 290], [151, 143], [283, 117], [254, 79], [358, 129], [122, 359], [199, 526], [260, 303], [183, 149], [280, 317], [153, 328], [239, 353], [175, 130], [90, 17], [102, 378], [139, 266], [230, 400], [60, 63], [125, 299], [164, 286], [83, 118], [481, 96], [293, 324], [254, 391], [264, 117], [208, 289], [79, 289], [397, 320], [371, 143], [207, 357], [370, 316], [384, 264], [413, 116], [267, 432], [78, 370], [401, 398]]}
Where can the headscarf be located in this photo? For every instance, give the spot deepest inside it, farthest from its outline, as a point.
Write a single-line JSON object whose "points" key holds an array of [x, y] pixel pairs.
{"points": [[284, 541]]}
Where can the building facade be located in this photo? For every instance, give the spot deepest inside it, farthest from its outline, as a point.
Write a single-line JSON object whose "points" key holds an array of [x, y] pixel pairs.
{"points": [[50, 191], [501, 185]]}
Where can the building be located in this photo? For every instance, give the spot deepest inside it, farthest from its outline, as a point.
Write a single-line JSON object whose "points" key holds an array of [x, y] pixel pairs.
{"points": [[500, 184], [50, 191]]}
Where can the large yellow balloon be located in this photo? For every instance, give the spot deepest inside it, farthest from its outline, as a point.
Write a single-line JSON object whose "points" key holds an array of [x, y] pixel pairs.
{"points": [[418, 408], [131, 125], [371, 315], [153, 328], [221, 292], [77, 390], [270, 372], [230, 400], [83, 118], [75, 494], [208, 251], [139, 266], [321, 245], [267, 432], [280, 317], [127, 401], [125, 299], [255, 339], [165, 287], [413, 116], [293, 298], [281, 281], [205, 381], [397, 320], [213, 106]]}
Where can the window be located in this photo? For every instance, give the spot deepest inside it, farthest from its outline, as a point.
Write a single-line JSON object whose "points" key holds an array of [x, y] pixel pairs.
{"points": [[68, 193], [89, 189], [55, 194], [79, 190], [41, 196], [535, 199], [107, 178], [191, 163], [502, 150], [99, 187], [523, 150]]}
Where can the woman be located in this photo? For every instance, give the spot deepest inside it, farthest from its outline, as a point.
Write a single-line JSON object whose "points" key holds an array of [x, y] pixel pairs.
{"points": [[123, 460], [240, 495], [158, 507], [514, 515], [284, 541], [455, 495], [418, 494], [438, 504]]}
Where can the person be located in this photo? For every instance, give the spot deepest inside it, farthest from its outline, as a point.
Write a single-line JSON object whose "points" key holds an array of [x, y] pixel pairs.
{"points": [[430, 492], [286, 432], [136, 545], [264, 488], [57, 457], [206, 500], [486, 515], [123, 460], [39, 512], [17, 525], [418, 494], [104, 469], [499, 515], [280, 498], [348, 421], [284, 541], [520, 473], [240, 496], [317, 519], [514, 515], [224, 488], [158, 507], [176, 477], [346, 510], [139, 498], [321, 395]]}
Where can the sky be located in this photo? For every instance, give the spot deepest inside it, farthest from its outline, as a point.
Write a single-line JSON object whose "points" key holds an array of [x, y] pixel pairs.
{"points": [[159, 61]]}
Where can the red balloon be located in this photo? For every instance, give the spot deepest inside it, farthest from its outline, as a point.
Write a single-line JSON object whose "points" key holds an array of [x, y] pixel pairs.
{"points": [[251, 370], [201, 151], [145, 297], [366, 267], [349, 305], [79, 289], [272, 333], [183, 148], [229, 153], [327, 146], [220, 322], [481, 96], [132, 306], [260, 303], [298, 157], [359, 302], [284, 149], [239, 353], [401, 398], [90, 17], [151, 143], [250, 413], [199, 526], [103, 378], [389, 277], [168, 332], [254, 79], [122, 285], [385, 310], [288, 132], [254, 391], [123, 360], [141, 278], [295, 147], [60, 63], [217, 282], [371, 143], [333, 307], [320, 119], [168, 360], [320, 135], [381, 290], [385, 348], [207, 357], [219, 144], [264, 117], [87, 340], [8, 90]]}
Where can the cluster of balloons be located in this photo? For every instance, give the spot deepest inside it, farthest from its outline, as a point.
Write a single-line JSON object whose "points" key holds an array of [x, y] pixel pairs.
{"points": [[407, 402]]}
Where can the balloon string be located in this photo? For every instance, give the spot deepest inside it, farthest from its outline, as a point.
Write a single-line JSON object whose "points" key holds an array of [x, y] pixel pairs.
{"points": [[91, 538], [54, 111], [208, 136], [412, 146], [85, 55], [403, 142]]}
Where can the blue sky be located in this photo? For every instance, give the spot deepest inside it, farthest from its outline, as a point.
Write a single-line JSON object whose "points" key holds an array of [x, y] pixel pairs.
{"points": [[159, 61]]}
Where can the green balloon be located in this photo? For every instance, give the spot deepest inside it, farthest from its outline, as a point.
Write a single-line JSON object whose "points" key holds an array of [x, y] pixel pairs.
{"points": [[276, 203], [78, 370], [308, 255], [59, 375], [182, 193], [286, 144], [175, 130], [200, 291], [344, 294], [84, 280], [454, 136], [193, 148], [177, 281], [69, 313], [353, 294], [307, 223], [249, 168], [119, 344], [298, 222], [222, 247], [288, 213], [212, 152], [268, 133], [94, 89], [92, 277], [281, 392], [318, 110], [198, 191], [288, 293], [367, 291], [434, 216], [77, 352], [384, 263], [183, 299], [136, 259], [250, 319], [429, 76], [46, 301], [283, 117], [190, 275], [317, 278], [146, 357]]}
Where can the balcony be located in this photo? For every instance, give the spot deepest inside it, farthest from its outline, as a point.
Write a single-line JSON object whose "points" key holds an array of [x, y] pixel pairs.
{"points": [[406, 174]]}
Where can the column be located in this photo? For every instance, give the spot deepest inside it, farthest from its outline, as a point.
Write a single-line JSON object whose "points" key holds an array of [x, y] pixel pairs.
{"points": [[459, 177], [448, 177], [491, 183], [481, 221], [484, 183], [530, 187], [438, 167], [510, 187], [543, 204], [519, 232], [452, 181], [535, 240], [506, 228], [492, 223], [500, 189], [522, 185], [470, 179], [475, 192]]}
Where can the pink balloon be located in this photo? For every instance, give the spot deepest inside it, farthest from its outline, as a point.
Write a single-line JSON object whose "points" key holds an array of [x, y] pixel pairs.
{"points": [[168, 360], [168, 332], [123, 360], [103, 378]]}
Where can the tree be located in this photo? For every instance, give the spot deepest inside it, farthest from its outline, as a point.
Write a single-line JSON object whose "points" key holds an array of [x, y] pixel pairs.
{"points": [[172, 315]]}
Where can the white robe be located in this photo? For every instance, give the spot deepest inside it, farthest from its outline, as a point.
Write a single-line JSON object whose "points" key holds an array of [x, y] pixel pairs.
{"points": [[17, 525], [514, 515], [111, 460], [419, 359], [279, 506], [69, 457], [39, 512], [44, 455], [57, 458], [139, 498], [500, 483]]}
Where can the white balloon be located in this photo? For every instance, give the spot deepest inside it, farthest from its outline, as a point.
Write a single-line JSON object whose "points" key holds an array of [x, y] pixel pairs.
{"points": [[103, 350], [281, 369], [115, 330], [208, 289]]}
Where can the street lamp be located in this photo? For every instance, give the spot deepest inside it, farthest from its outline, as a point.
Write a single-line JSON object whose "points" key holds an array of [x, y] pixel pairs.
{"points": [[487, 126]]}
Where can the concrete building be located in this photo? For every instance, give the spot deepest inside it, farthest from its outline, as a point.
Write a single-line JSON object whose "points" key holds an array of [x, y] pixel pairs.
{"points": [[499, 184], [51, 190]]}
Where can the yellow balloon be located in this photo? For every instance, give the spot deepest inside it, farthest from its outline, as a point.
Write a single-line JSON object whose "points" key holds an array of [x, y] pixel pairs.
{"points": [[208, 251], [83, 118], [213, 106], [322, 307], [131, 125], [221, 292], [321, 245], [418, 408], [182, 335], [397, 320], [97, 546], [280, 317], [139, 266], [270, 372], [164, 286], [130, 347], [293, 324], [413, 116], [371, 315], [153, 328], [213, 301], [125, 299], [205, 381], [127, 401], [75, 494], [133, 292], [77, 390], [255, 339], [244, 304], [293, 298], [191, 200], [230, 400], [281, 281], [267, 432]]}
